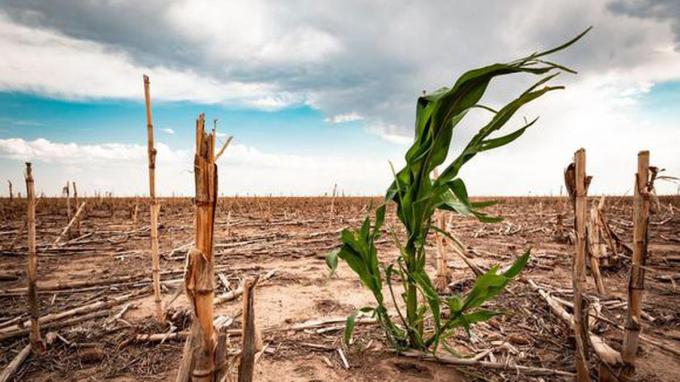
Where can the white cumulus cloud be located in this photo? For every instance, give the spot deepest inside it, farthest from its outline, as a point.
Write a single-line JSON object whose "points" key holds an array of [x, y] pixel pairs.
{"points": [[343, 118], [70, 153], [122, 169], [45, 61]]}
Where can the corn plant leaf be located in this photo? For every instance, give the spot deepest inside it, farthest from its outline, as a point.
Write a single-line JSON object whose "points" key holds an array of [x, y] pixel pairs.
{"points": [[493, 143], [498, 121], [518, 265], [484, 204], [455, 304], [332, 261], [484, 218], [466, 320], [365, 227], [350, 241], [490, 284], [486, 287], [379, 219], [457, 200], [356, 263], [349, 328]]}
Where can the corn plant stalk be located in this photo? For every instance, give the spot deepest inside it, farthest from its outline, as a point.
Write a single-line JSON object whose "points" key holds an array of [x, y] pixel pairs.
{"points": [[443, 275], [11, 194], [199, 273], [32, 267], [636, 284], [153, 207]]}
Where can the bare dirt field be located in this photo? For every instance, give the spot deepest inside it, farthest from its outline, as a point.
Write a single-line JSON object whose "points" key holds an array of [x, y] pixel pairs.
{"points": [[284, 240]]}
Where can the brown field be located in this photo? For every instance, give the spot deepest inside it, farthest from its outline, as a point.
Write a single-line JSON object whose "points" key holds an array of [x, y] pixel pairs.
{"points": [[256, 235]]}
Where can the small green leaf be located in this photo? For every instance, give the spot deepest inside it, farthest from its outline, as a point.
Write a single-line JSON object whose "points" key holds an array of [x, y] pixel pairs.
{"points": [[480, 315], [484, 204], [349, 328], [467, 320], [455, 304], [332, 261], [379, 219], [484, 218]]}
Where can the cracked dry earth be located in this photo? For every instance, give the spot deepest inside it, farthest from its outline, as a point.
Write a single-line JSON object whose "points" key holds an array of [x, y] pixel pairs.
{"points": [[258, 235]]}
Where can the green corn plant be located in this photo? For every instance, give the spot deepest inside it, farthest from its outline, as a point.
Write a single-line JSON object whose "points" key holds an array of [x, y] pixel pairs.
{"points": [[417, 197]]}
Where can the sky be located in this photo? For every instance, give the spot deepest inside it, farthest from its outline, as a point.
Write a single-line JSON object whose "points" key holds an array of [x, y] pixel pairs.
{"points": [[317, 93]]}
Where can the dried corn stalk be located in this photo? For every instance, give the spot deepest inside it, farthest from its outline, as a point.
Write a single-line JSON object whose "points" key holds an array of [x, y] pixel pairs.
{"points": [[76, 227], [608, 234], [199, 273], [644, 188], [577, 184], [154, 208], [250, 343], [443, 277], [597, 248], [66, 191], [32, 269]]}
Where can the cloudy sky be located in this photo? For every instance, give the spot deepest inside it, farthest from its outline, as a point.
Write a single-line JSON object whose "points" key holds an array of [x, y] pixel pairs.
{"points": [[324, 92]]}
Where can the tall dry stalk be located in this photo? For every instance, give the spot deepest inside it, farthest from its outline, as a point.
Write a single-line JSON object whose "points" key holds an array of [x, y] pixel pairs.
{"points": [[66, 191], [187, 364], [577, 184], [332, 208], [249, 333], [32, 268], [76, 227], [154, 209], [135, 212], [636, 285], [199, 274], [11, 194]]}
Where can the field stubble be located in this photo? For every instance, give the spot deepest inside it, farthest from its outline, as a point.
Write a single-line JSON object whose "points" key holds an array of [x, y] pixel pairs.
{"points": [[285, 239]]}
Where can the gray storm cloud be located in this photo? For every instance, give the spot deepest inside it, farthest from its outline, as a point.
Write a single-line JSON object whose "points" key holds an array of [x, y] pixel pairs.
{"points": [[661, 10], [354, 57]]}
